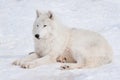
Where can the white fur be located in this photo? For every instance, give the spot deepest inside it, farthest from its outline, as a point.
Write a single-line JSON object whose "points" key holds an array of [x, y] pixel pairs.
{"points": [[87, 48]]}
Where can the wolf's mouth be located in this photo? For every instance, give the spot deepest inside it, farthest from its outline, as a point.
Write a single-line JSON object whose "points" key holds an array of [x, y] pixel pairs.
{"points": [[37, 38]]}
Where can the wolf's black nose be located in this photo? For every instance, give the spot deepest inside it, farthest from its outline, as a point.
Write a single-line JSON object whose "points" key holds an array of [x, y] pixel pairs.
{"points": [[37, 36]]}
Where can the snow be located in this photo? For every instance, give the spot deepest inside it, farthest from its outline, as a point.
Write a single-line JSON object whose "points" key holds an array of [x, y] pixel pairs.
{"points": [[16, 20]]}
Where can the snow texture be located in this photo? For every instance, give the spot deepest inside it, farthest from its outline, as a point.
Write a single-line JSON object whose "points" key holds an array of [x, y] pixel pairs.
{"points": [[16, 20]]}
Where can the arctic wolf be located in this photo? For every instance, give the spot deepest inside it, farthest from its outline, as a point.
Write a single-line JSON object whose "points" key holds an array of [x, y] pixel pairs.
{"points": [[55, 43]]}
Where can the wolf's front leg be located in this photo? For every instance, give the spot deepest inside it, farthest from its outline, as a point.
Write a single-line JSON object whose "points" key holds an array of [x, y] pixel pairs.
{"points": [[40, 61], [22, 61]]}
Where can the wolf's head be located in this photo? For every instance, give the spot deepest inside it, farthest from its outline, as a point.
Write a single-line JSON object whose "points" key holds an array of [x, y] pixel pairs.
{"points": [[42, 27]]}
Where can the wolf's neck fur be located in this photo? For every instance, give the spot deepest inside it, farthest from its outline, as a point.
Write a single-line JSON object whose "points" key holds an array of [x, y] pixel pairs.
{"points": [[61, 36], [60, 31]]}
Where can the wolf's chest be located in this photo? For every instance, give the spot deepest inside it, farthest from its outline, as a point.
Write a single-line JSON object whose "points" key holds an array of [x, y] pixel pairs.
{"points": [[42, 48]]}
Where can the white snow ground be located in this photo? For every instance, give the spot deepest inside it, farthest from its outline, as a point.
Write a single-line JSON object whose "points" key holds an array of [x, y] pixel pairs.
{"points": [[16, 20]]}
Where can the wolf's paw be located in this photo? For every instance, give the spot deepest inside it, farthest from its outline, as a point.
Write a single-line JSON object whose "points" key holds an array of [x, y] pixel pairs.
{"points": [[28, 65], [65, 67], [18, 62], [61, 59]]}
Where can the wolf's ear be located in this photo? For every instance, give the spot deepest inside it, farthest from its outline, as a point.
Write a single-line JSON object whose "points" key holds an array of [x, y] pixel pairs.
{"points": [[50, 15], [38, 13]]}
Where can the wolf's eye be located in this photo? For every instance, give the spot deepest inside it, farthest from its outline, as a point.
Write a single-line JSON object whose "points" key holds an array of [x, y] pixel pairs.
{"points": [[44, 25], [37, 25]]}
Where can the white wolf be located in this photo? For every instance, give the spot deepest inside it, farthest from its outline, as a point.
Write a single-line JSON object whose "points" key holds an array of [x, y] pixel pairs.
{"points": [[80, 48]]}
